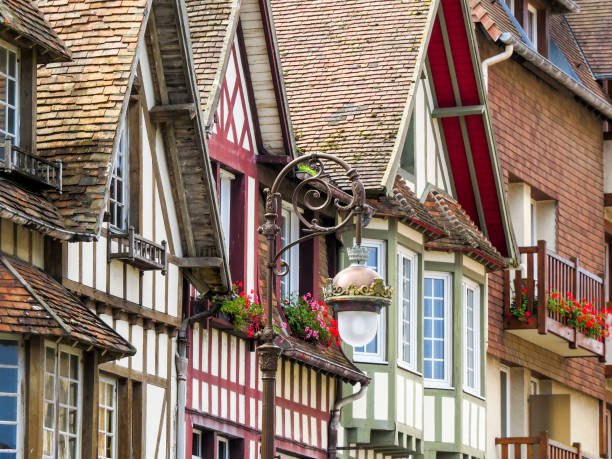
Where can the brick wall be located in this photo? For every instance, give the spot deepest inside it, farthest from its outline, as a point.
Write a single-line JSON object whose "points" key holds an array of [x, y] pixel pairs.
{"points": [[554, 143]]}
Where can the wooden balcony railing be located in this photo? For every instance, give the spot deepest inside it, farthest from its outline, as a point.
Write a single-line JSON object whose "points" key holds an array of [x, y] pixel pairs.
{"points": [[544, 271], [30, 166], [540, 447], [137, 251]]}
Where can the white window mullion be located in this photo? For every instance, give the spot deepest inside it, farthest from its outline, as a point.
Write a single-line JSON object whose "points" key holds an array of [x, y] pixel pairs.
{"points": [[107, 423], [225, 205], [471, 337], [437, 336], [290, 231], [374, 351], [406, 300]]}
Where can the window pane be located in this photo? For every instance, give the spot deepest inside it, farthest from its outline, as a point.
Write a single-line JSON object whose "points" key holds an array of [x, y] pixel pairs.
{"points": [[406, 288], [8, 380], [3, 59], [8, 436], [8, 352], [12, 64], [8, 408], [195, 444]]}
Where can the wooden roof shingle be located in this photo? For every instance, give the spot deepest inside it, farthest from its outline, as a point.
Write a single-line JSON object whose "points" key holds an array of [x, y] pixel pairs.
{"points": [[32, 302], [80, 102], [25, 19], [592, 27], [349, 68]]}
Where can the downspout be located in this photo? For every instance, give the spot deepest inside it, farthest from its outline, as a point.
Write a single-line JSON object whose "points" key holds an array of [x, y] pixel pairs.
{"points": [[495, 60], [180, 360], [332, 430]]}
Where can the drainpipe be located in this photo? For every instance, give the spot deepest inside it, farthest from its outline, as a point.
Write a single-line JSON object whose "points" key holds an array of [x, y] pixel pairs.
{"points": [[180, 360], [332, 435], [495, 60]]}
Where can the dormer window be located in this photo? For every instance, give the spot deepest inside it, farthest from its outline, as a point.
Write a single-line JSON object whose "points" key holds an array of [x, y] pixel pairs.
{"points": [[8, 93], [531, 27], [510, 5], [119, 190]]}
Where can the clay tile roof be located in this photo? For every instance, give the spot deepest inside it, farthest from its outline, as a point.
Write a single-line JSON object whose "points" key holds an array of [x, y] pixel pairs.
{"points": [[462, 232], [593, 29], [494, 18], [80, 102], [405, 205], [349, 67], [32, 302], [211, 24], [31, 209], [330, 359], [24, 18]]}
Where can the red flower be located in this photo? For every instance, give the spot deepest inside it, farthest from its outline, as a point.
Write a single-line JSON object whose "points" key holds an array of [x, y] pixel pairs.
{"points": [[524, 290], [527, 313]]}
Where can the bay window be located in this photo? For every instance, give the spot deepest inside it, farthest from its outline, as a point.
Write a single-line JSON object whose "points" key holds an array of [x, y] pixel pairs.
{"points": [[8, 93], [374, 351], [407, 305], [9, 398], [437, 334], [471, 337], [61, 402], [107, 418]]}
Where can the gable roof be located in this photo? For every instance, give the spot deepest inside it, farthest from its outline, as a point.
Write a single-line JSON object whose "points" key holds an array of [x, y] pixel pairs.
{"points": [[32, 302], [566, 64], [212, 24], [592, 27], [349, 68], [80, 102], [25, 19]]}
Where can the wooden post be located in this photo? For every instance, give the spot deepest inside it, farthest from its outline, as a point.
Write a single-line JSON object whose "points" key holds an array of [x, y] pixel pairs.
{"points": [[543, 450], [89, 444], [578, 450], [542, 286], [34, 398], [507, 297], [138, 439], [124, 418]]}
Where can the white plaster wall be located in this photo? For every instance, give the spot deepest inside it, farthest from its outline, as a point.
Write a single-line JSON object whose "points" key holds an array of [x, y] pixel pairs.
{"points": [[493, 406]]}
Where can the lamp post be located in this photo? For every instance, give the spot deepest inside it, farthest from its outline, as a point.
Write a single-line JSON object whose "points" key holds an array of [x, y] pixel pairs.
{"points": [[357, 293]]}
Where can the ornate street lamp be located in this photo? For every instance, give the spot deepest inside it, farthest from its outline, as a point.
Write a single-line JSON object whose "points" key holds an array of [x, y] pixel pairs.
{"points": [[357, 293]]}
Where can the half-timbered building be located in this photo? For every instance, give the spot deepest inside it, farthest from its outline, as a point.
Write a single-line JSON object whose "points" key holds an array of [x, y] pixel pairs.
{"points": [[249, 140], [51, 342], [123, 118], [395, 89], [548, 112]]}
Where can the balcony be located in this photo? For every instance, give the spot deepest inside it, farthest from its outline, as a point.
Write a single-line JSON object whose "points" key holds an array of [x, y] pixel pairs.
{"points": [[544, 271], [137, 251], [544, 447], [29, 166]]}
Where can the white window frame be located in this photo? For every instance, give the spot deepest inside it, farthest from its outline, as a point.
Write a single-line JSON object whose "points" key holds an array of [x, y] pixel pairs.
{"points": [[225, 205], [506, 371], [291, 233], [379, 355], [446, 382], [534, 384], [407, 362], [226, 442], [113, 434], [510, 5], [532, 34], [11, 48], [124, 178], [197, 433], [19, 395], [474, 390], [70, 351]]}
